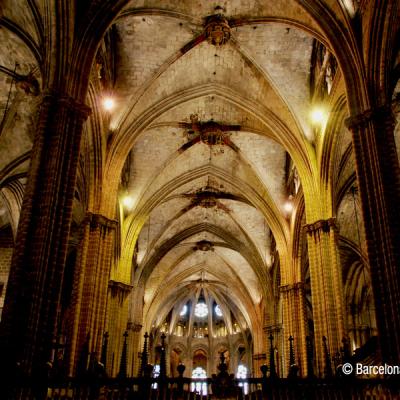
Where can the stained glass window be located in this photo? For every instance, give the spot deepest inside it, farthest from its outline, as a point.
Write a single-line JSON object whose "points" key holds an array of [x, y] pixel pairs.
{"points": [[242, 374], [199, 373], [218, 311], [201, 310], [183, 311]]}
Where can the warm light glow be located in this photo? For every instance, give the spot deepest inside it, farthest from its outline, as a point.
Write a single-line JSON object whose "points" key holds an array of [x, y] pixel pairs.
{"points": [[127, 201], [108, 103], [318, 116], [350, 7], [288, 206]]}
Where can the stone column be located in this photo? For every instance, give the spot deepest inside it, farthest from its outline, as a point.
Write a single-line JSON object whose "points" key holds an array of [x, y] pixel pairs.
{"points": [[29, 322], [378, 175], [294, 324], [90, 289], [117, 323], [134, 349], [326, 289]]}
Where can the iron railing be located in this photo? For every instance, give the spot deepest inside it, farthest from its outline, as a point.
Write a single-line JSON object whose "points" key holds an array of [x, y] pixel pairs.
{"points": [[201, 389]]}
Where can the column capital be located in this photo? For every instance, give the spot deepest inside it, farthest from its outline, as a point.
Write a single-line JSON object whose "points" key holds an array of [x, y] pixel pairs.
{"points": [[134, 326], [67, 101], [367, 116], [324, 225], [121, 286], [99, 220], [272, 329], [291, 287]]}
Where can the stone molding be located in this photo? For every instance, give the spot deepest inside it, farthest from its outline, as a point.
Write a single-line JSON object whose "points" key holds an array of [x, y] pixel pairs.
{"points": [[134, 326], [324, 225], [259, 356], [274, 329], [124, 287], [291, 287], [362, 119], [68, 102], [98, 220]]}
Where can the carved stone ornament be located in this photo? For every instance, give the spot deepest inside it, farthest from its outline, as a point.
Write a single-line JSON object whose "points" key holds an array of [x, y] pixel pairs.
{"points": [[217, 30], [204, 245], [210, 132]]}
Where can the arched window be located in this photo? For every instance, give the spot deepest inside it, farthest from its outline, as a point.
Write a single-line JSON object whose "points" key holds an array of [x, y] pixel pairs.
{"points": [[242, 374], [201, 310], [156, 373], [218, 311], [199, 387], [183, 311]]}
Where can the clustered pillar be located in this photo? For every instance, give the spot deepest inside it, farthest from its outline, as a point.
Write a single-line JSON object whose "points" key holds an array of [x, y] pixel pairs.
{"points": [[90, 290], [326, 288], [33, 294], [117, 323], [378, 173], [294, 321]]}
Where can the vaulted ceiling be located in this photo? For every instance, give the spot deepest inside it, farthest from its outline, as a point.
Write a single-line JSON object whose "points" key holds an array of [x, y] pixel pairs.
{"points": [[205, 127], [203, 135]]}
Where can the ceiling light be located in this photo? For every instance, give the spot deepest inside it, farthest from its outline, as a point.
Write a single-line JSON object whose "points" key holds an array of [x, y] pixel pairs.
{"points": [[288, 206], [318, 116], [127, 201], [108, 103]]}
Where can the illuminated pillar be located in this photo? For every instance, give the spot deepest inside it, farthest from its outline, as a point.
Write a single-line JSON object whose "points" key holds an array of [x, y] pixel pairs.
{"points": [[294, 324], [117, 323], [32, 304], [89, 300], [326, 289], [378, 175]]}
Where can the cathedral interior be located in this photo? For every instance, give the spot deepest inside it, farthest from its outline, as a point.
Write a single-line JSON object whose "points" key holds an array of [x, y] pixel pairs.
{"points": [[188, 181]]}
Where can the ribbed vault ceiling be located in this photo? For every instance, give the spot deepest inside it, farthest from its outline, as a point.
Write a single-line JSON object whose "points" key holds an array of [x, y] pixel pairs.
{"points": [[198, 210], [205, 215]]}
